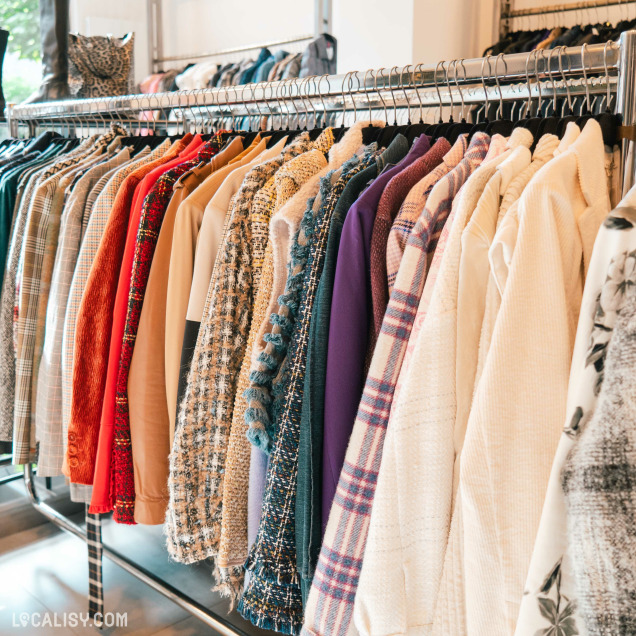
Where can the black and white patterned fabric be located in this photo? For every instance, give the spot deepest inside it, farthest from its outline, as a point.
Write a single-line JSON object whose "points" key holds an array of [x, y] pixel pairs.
{"points": [[95, 552]]}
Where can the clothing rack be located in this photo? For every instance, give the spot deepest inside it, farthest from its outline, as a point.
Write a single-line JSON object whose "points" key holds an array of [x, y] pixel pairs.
{"points": [[507, 13], [412, 88]]}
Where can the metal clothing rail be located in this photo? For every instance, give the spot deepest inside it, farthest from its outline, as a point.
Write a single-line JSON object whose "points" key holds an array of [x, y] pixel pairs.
{"points": [[501, 78], [561, 8], [402, 87]]}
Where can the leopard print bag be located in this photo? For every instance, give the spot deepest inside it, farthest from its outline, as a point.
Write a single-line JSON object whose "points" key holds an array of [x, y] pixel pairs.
{"points": [[100, 66]]}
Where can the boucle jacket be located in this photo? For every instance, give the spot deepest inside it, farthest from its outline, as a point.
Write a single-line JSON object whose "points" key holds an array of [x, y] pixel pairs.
{"points": [[187, 225], [147, 403], [610, 279], [413, 205], [286, 183], [272, 597], [48, 409], [367, 451], [90, 244], [211, 235], [152, 214], [598, 474], [94, 325], [285, 222], [511, 436], [388, 206], [308, 492], [283, 226], [204, 415]]}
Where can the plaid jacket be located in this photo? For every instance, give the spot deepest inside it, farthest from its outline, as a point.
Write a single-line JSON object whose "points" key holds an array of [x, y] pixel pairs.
{"points": [[330, 605], [44, 207], [28, 183], [153, 210], [413, 205], [193, 515]]}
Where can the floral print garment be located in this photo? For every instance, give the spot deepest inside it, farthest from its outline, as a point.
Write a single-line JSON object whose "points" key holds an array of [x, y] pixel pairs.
{"points": [[549, 606]]}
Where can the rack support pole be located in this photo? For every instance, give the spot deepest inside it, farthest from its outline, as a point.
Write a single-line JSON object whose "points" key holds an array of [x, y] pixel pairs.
{"points": [[220, 624], [626, 104]]}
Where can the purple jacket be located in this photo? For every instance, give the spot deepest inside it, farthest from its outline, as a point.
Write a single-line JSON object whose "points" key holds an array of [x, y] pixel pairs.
{"points": [[351, 319]]}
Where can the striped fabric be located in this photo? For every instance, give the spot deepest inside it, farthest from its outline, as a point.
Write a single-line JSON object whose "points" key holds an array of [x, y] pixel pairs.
{"points": [[330, 605], [413, 205]]}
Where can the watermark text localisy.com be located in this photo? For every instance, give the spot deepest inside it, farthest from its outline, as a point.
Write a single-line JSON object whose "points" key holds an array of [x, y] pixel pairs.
{"points": [[69, 619]]}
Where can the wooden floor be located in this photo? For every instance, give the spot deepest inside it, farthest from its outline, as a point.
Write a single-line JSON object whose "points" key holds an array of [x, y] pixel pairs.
{"points": [[45, 570]]}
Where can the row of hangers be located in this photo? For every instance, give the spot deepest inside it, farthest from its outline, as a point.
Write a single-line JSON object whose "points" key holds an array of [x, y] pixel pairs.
{"points": [[547, 116]]}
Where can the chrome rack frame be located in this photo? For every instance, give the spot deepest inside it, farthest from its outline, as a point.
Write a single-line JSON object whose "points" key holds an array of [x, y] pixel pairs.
{"points": [[409, 87]]}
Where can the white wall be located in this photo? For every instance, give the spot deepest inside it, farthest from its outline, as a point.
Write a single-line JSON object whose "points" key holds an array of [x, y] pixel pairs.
{"points": [[370, 33]]}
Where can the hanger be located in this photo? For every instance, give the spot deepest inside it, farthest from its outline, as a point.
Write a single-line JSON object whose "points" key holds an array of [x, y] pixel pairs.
{"points": [[481, 126], [388, 133], [608, 120], [462, 127], [549, 125], [501, 126], [421, 128]]}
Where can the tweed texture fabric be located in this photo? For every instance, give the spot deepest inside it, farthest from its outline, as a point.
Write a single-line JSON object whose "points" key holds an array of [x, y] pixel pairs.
{"points": [[192, 518], [93, 329], [272, 598], [598, 481], [258, 433], [283, 226], [413, 205], [153, 210], [331, 600]]}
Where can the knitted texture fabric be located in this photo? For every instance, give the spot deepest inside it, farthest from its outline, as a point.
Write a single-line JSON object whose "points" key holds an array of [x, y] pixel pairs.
{"points": [[272, 598], [598, 480], [154, 208], [94, 326], [192, 518]]}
